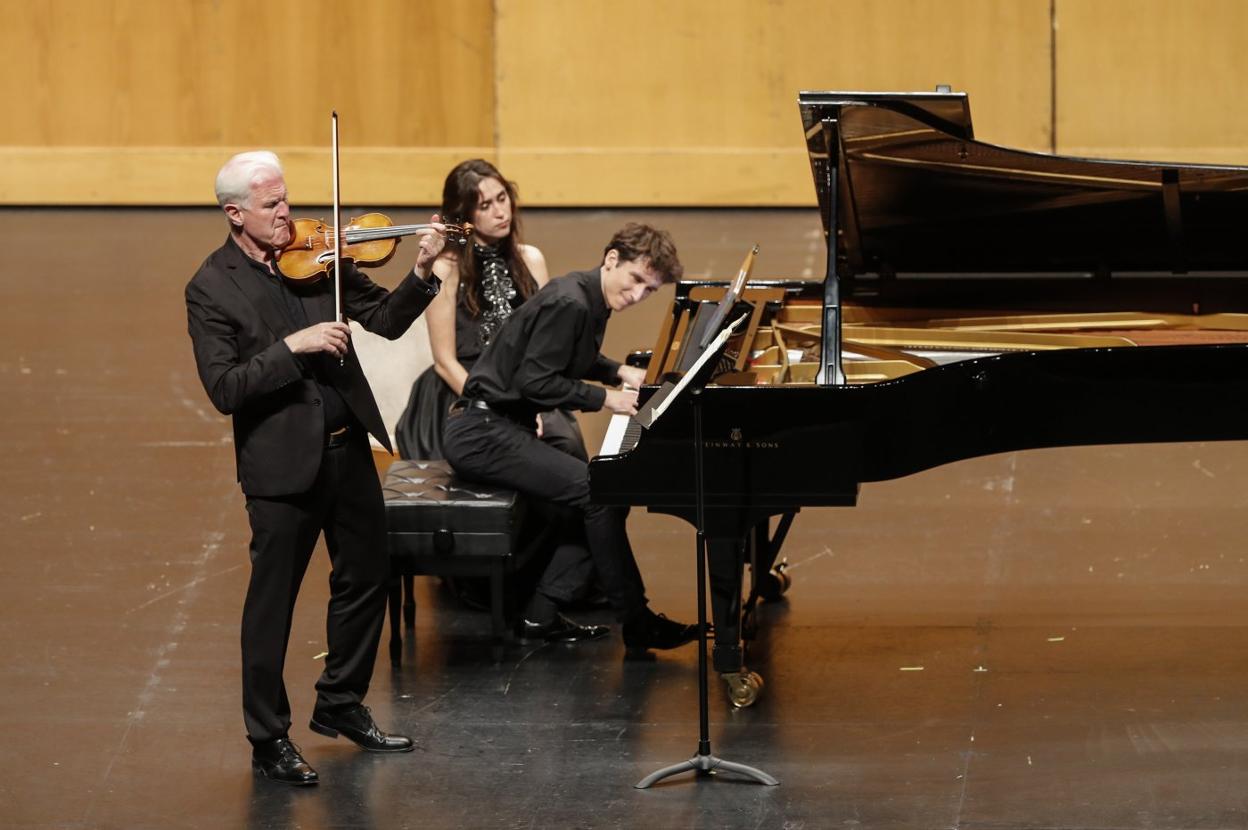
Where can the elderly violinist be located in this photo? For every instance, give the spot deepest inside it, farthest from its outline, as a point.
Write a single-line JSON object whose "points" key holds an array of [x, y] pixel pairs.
{"points": [[271, 354]]}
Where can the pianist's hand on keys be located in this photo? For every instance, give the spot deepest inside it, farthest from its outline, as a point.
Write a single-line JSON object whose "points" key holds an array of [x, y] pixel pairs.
{"points": [[632, 377], [622, 401]]}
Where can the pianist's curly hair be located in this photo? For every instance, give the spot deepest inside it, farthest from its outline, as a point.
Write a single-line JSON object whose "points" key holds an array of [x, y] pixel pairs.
{"points": [[635, 241], [459, 199]]}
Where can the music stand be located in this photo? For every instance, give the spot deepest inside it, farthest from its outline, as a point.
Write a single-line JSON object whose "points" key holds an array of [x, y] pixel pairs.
{"points": [[705, 327], [703, 763]]}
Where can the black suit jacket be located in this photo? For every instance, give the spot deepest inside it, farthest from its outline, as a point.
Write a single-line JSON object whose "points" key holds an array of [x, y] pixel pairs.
{"points": [[237, 325]]}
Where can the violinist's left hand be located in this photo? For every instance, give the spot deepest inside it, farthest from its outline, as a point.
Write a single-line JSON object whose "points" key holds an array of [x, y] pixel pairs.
{"points": [[431, 243]]}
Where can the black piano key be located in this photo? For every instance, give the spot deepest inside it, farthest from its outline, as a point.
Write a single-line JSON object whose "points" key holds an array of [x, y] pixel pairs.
{"points": [[632, 434]]}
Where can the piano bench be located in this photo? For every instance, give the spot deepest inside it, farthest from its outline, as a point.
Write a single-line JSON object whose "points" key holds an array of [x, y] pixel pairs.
{"points": [[437, 525]]}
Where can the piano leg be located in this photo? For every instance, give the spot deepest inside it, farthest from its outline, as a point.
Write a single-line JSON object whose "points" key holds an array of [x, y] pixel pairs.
{"points": [[769, 579], [726, 562]]}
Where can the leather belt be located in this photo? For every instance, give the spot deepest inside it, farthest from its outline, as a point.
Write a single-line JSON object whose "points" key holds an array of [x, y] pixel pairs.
{"points": [[337, 438], [463, 404]]}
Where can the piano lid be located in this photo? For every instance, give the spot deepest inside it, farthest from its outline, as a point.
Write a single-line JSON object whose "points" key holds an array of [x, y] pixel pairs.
{"points": [[918, 196]]}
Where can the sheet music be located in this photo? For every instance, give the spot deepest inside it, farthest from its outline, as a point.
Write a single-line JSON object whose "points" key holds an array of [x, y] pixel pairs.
{"points": [[729, 301], [620, 427], [671, 392]]}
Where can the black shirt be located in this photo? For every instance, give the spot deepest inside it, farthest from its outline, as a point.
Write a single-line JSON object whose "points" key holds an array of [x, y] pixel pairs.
{"points": [[541, 357]]}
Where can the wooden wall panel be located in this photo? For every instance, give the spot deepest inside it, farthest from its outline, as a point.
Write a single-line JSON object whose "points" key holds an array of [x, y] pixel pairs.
{"points": [[1153, 79], [153, 73], [585, 103], [661, 103], [108, 84]]}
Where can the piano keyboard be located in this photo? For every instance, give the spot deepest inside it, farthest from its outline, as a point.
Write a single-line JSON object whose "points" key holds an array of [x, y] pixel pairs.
{"points": [[622, 435]]}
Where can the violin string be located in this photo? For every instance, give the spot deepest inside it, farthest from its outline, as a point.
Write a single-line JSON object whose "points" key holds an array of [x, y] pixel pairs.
{"points": [[354, 235], [369, 234]]}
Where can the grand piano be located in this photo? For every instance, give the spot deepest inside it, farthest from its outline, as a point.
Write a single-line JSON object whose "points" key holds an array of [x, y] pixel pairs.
{"points": [[977, 300]]}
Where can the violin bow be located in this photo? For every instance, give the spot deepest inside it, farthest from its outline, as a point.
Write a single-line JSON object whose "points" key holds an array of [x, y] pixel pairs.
{"points": [[337, 231]]}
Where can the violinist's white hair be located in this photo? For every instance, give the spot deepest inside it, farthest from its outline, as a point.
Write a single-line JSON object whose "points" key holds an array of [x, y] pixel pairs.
{"points": [[236, 175]]}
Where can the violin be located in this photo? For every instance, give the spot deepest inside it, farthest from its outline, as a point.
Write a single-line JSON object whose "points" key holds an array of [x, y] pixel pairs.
{"points": [[370, 239]]}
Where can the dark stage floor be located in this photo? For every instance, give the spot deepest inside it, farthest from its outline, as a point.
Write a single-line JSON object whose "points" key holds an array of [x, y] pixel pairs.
{"points": [[1052, 639]]}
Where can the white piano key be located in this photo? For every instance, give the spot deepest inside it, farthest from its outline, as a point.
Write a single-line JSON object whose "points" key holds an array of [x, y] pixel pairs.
{"points": [[615, 435]]}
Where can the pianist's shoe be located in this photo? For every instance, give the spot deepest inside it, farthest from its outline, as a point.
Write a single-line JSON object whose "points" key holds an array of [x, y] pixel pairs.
{"points": [[279, 760], [356, 724], [650, 630], [559, 630]]}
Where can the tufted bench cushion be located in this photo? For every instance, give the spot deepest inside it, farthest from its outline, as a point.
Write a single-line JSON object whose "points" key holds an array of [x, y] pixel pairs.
{"points": [[437, 525], [432, 512]]}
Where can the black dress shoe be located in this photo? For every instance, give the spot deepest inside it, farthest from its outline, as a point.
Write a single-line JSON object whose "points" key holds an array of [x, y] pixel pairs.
{"points": [[651, 630], [356, 724], [279, 760], [560, 630]]}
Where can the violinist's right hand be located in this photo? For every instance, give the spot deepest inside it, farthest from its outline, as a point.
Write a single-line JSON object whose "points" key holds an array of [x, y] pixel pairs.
{"points": [[621, 401], [323, 337]]}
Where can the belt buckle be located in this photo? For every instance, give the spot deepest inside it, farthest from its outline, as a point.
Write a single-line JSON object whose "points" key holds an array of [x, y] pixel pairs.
{"points": [[462, 405]]}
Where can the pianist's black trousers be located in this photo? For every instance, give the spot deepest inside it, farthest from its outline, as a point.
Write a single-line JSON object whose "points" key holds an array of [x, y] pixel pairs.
{"points": [[345, 503], [487, 447]]}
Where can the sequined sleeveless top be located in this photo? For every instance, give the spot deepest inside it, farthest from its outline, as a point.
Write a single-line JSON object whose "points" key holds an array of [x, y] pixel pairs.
{"points": [[497, 297]]}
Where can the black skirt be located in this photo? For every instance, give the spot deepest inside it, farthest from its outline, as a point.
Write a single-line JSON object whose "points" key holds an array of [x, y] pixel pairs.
{"points": [[418, 432]]}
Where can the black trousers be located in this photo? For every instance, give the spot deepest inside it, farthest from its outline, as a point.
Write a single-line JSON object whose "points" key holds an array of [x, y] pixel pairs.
{"points": [[552, 558], [345, 503], [490, 448]]}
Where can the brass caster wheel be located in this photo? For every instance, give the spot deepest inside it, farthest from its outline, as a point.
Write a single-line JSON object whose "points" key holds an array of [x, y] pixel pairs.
{"points": [[744, 687]]}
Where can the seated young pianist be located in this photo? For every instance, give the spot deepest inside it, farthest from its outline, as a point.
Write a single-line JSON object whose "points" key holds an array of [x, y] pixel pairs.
{"points": [[540, 360]]}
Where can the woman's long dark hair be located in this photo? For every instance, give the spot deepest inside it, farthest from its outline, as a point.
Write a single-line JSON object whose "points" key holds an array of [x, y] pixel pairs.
{"points": [[460, 198]]}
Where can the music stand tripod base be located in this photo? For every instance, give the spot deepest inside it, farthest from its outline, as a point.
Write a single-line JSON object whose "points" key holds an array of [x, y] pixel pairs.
{"points": [[705, 765], [703, 762]]}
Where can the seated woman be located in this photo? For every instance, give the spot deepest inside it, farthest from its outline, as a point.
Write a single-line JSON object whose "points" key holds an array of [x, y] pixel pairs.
{"points": [[480, 288]]}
